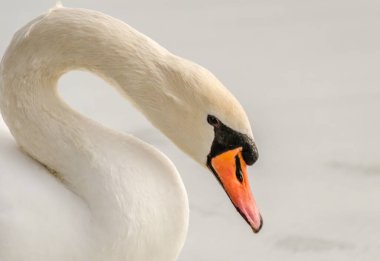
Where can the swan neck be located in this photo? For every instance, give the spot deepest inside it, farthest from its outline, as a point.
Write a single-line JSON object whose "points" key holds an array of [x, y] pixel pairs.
{"points": [[128, 186], [52, 45]]}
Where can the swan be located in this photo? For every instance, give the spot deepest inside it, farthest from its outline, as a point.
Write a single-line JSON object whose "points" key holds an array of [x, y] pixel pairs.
{"points": [[86, 192]]}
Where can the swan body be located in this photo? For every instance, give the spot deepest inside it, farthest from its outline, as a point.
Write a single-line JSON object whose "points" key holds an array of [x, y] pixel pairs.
{"points": [[111, 196]]}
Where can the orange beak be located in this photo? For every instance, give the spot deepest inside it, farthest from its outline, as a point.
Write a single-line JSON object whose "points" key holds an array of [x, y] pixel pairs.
{"points": [[231, 171]]}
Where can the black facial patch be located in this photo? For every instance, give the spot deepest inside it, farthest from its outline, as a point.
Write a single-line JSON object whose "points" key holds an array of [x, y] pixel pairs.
{"points": [[226, 139]]}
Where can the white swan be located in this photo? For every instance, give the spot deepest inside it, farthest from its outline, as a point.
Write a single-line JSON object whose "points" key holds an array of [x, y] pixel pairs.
{"points": [[112, 196]]}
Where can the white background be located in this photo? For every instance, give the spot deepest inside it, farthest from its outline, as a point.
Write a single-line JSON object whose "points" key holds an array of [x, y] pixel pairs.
{"points": [[307, 73]]}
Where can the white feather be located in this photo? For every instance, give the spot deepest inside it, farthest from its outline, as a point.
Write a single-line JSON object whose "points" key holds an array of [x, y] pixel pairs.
{"points": [[115, 197]]}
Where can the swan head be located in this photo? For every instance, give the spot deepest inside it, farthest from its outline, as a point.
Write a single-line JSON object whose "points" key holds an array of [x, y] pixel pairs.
{"points": [[207, 122], [229, 155]]}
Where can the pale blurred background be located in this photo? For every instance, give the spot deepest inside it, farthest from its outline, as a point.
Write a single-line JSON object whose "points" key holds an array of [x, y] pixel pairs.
{"points": [[307, 73]]}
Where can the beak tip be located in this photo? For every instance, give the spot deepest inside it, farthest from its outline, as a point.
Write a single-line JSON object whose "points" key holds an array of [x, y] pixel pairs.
{"points": [[257, 230]]}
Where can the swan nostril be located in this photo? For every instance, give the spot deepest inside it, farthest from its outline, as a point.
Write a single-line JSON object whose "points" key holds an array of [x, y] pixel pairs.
{"points": [[238, 171]]}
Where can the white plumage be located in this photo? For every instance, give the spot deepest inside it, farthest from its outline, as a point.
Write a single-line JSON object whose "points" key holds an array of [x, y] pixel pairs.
{"points": [[112, 197]]}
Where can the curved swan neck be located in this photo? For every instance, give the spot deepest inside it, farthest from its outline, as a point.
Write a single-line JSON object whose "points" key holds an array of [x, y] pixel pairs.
{"points": [[112, 172], [174, 94], [67, 39], [58, 42], [170, 91], [61, 41]]}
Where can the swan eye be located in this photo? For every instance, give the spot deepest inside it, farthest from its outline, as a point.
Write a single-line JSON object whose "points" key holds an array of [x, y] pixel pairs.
{"points": [[212, 120], [239, 174]]}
